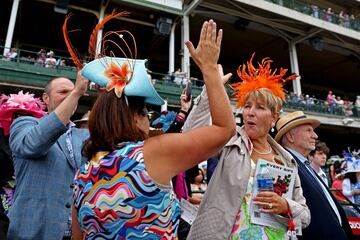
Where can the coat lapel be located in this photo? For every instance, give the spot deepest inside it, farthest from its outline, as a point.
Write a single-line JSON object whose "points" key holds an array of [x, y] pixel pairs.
{"points": [[77, 145], [309, 176]]}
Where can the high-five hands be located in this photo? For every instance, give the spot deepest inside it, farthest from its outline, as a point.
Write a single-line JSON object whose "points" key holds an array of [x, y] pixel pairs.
{"points": [[208, 49]]}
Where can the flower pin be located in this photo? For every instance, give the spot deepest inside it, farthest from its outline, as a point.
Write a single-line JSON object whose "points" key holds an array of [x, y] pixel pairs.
{"points": [[119, 76]]}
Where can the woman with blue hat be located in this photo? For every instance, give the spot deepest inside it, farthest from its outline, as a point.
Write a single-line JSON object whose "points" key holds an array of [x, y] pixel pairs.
{"points": [[124, 191], [351, 182]]}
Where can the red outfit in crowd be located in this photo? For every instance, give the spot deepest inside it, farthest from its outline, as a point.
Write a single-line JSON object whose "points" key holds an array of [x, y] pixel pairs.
{"points": [[337, 184]]}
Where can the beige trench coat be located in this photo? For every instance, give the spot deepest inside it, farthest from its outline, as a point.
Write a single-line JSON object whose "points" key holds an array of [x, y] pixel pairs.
{"points": [[223, 197]]}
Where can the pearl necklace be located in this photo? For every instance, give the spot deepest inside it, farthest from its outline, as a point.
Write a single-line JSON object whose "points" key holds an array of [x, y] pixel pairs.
{"points": [[263, 153]]}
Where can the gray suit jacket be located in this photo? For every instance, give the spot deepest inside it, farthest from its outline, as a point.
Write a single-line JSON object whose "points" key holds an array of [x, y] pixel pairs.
{"points": [[44, 173]]}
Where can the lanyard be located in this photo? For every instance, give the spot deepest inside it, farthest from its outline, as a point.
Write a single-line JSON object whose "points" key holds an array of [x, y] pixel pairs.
{"points": [[70, 148]]}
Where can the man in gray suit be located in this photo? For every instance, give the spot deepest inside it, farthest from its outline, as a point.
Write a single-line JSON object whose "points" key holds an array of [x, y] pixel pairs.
{"points": [[46, 154]]}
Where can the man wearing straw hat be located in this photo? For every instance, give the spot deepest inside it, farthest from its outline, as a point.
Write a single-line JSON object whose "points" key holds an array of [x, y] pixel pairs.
{"points": [[328, 219]]}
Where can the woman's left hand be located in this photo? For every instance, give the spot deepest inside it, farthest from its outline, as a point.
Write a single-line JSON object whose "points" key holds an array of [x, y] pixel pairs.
{"points": [[271, 202], [208, 49]]}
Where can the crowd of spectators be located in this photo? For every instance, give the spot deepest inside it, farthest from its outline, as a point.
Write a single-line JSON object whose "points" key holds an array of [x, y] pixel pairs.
{"points": [[342, 17], [340, 174], [336, 103], [332, 104], [41, 58], [10, 55], [341, 170]]}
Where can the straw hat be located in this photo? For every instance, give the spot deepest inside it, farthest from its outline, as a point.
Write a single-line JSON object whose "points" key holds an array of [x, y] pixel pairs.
{"points": [[291, 120], [84, 118]]}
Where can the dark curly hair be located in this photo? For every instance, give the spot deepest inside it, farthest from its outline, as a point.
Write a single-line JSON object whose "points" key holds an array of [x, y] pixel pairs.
{"points": [[320, 147]]}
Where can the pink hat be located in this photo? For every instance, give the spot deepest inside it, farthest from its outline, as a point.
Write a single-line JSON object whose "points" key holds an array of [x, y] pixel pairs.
{"points": [[20, 102]]}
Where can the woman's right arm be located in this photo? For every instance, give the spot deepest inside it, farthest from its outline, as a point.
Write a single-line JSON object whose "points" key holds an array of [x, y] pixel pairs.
{"points": [[169, 154]]}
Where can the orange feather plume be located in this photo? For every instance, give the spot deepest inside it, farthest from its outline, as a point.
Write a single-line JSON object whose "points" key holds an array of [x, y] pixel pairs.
{"points": [[261, 77], [73, 54], [93, 36]]}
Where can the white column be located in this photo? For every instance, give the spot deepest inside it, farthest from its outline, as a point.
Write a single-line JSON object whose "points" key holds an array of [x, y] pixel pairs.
{"points": [[294, 67], [172, 49], [185, 62], [11, 27], [100, 33]]}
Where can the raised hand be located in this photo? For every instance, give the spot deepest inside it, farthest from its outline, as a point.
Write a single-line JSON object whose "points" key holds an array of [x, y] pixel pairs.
{"points": [[185, 105], [224, 78], [81, 84], [208, 50]]}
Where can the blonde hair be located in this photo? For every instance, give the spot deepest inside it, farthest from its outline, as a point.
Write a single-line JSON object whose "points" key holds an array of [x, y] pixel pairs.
{"points": [[271, 101]]}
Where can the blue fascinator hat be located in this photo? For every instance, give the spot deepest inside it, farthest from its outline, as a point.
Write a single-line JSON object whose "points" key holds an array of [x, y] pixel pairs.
{"points": [[126, 75], [136, 82]]}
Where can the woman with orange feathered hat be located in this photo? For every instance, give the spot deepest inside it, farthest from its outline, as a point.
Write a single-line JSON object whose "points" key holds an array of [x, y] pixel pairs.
{"points": [[225, 210]]}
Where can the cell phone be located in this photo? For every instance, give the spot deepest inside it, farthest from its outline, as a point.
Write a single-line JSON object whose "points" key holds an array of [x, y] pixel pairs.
{"points": [[188, 89], [92, 86]]}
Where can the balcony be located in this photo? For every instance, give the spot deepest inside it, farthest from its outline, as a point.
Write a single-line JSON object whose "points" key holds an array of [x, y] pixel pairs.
{"points": [[340, 18], [26, 72]]}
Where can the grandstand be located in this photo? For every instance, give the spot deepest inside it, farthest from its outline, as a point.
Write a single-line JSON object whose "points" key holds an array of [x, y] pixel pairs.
{"points": [[317, 39]]}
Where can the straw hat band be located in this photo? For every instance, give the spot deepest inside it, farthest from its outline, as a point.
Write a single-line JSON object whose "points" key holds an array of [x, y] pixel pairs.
{"points": [[292, 120]]}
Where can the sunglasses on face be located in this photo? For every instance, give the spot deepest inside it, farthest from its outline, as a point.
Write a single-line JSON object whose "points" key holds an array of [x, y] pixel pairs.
{"points": [[144, 113]]}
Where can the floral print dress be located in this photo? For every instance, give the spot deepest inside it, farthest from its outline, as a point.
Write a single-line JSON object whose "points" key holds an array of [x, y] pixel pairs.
{"points": [[243, 229]]}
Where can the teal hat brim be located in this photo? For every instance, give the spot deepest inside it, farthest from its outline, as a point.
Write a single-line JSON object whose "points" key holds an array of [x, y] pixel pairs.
{"points": [[140, 84]]}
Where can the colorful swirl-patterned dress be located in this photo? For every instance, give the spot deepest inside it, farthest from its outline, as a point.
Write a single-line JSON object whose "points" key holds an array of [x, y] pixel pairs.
{"points": [[115, 198]]}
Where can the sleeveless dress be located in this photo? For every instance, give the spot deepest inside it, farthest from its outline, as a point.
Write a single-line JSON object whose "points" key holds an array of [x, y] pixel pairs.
{"points": [[115, 198]]}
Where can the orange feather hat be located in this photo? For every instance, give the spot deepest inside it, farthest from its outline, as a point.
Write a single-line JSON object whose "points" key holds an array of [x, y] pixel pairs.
{"points": [[92, 42], [261, 77], [119, 75]]}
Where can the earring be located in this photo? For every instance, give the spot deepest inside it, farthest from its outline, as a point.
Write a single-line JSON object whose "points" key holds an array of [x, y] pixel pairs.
{"points": [[272, 127]]}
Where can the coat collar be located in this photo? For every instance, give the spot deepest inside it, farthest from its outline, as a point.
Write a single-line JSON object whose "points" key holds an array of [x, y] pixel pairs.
{"points": [[241, 137], [238, 138]]}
